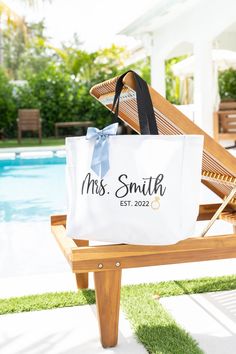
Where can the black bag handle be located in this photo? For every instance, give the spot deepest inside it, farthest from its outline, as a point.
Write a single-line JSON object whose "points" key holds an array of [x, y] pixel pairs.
{"points": [[147, 121]]}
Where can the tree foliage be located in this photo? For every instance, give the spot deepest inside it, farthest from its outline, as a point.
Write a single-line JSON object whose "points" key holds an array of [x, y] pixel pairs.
{"points": [[7, 105], [13, 48], [58, 80], [26, 53]]}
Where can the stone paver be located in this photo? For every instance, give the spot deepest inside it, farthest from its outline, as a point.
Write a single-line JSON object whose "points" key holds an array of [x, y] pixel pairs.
{"points": [[210, 318], [70, 330]]}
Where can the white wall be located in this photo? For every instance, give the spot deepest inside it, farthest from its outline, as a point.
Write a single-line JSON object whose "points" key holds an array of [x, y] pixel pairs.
{"points": [[199, 25]]}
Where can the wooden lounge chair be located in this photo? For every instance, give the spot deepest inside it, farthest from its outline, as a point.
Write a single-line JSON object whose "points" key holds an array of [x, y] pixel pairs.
{"points": [[29, 120], [107, 262]]}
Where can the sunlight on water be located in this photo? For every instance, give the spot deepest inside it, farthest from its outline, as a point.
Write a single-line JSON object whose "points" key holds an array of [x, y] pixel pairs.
{"points": [[32, 189]]}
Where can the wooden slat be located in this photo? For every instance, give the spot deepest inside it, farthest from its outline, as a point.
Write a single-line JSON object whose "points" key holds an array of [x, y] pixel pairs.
{"points": [[229, 217], [227, 136], [207, 211], [219, 178], [108, 251], [111, 257], [228, 120], [227, 113], [66, 244], [82, 280], [220, 247], [58, 220], [227, 105]]}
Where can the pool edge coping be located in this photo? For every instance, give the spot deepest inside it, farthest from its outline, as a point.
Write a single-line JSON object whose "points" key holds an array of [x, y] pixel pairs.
{"points": [[33, 149]]}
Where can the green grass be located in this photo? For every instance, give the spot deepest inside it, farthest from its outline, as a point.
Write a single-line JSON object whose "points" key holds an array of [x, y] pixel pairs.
{"points": [[153, 326], [46, 301], [29, 142]]}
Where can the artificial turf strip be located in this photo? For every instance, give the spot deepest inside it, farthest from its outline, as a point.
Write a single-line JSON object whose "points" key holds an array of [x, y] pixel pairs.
{"points": [[86, 297], [46, 301], [153, 326], [181, 287], [31, 142]]}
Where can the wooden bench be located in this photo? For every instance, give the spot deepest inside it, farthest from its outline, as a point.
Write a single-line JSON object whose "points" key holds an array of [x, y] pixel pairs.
{"points": [[225, 122], [82, 125]]}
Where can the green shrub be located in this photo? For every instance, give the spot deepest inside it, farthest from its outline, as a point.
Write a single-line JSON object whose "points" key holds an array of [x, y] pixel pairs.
{"points": [[60, 98], [227, 84], [25, 97], [90, 109], [7, 106], [54, 93]]}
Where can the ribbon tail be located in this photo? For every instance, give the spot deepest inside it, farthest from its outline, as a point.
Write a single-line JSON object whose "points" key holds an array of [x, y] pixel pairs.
{"points": [[104, 168], [105, 165], [96, 169], [96, 158]]}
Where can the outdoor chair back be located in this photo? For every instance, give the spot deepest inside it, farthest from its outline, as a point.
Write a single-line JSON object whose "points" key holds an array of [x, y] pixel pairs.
{"points": [[225, 122], [29, 120]]}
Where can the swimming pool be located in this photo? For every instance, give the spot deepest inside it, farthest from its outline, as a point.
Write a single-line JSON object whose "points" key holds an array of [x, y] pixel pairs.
{"points": [[32, 188]]}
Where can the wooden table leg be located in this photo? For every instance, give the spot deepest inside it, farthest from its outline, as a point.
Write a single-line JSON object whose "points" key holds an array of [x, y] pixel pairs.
{"points": [[107, 286]]}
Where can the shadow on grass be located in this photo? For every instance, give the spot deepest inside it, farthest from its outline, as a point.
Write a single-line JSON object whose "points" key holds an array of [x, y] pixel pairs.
{"points": [[89, 296]]}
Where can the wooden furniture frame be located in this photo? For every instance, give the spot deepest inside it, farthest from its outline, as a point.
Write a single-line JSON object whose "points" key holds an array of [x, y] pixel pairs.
{"points": [[225, 122], [107, 262], [82, 125], [29, 120]]}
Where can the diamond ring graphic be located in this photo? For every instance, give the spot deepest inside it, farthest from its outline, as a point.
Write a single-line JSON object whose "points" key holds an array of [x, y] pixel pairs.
{"points": [[155, 204]]}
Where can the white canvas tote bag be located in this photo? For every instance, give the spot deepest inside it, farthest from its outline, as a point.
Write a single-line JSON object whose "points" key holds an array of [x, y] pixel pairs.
{"points": [[137, 189]]}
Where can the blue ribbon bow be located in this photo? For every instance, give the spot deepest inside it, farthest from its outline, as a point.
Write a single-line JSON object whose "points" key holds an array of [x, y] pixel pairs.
{"points": [[100, 159]]}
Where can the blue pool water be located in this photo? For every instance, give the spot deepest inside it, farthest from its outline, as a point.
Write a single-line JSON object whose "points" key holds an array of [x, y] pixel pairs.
{"points": [[31, 189]]}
